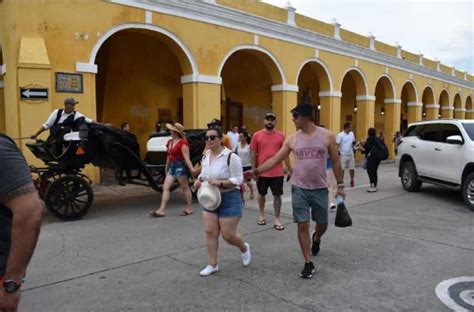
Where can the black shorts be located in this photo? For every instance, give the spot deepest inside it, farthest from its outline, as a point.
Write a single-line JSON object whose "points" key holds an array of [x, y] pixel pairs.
{"points": [[275, 184]]}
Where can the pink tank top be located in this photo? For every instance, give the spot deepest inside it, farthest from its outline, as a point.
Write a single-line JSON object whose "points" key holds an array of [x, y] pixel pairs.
{"points": [[311, 156]]}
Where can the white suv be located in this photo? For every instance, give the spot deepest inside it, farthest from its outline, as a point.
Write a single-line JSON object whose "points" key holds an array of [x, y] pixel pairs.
{"points": [[438, 152]]}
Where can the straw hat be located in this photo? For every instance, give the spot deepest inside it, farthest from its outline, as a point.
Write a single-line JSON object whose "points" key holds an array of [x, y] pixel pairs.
{"points": [[209, 196], [177, 127]]}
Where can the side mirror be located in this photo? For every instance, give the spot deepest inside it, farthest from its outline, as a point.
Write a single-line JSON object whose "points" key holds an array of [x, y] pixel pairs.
{"points": [[454, 139]]}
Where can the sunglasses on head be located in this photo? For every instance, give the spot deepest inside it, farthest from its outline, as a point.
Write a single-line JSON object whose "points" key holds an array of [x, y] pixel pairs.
{"points": [[210, 137]]}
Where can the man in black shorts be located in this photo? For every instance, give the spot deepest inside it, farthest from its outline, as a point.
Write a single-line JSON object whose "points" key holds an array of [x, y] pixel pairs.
{"points": [[21, 211], [264, 144]]}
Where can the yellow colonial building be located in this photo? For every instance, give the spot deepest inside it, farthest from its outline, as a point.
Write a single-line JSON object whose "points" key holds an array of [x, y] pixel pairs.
{"points": [[192, 61]]}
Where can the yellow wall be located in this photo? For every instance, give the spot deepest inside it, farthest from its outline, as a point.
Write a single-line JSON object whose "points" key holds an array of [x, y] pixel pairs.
{"points": [[141, 72], [2, 111]]}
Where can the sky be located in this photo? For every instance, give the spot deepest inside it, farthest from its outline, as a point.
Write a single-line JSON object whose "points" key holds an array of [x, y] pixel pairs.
{"points": [[439, 29]]}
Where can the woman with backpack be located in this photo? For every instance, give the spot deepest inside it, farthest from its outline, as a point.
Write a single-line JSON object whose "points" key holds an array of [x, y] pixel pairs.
{"points": [[373, 149]]}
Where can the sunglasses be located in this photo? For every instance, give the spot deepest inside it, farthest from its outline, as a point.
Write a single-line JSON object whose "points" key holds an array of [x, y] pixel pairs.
{"points": [[210, 137], [295, 115], [270, 119]]}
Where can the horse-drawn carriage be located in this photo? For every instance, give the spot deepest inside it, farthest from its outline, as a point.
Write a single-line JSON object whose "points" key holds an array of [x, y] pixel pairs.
{"points": [[67, 192]]}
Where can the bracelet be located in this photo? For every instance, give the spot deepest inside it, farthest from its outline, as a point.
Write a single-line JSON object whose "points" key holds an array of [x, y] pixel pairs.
{"points": [[255, 171], [340, 185]]}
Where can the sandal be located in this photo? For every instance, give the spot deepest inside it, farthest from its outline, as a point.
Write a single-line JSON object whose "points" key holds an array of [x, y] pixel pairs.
{"points": [[279, 227], [185, 213], [261, 222], [154, 214]]}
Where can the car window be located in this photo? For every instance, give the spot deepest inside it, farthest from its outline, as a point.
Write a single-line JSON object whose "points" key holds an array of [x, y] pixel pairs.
{"points": [[413, 131], [449, 130], [469, 127], [430, 132]]}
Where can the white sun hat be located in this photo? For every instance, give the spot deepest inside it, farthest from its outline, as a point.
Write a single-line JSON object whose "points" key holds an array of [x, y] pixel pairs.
{"points": [[209, 196]]}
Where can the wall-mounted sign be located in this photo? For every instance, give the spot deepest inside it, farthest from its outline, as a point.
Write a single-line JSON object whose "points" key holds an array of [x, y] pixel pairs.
{"points": [[69, 83], [34, 93]]}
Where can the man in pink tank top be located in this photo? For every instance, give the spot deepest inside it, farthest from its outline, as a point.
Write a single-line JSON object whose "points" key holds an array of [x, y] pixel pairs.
{"points": [[311, 146]]}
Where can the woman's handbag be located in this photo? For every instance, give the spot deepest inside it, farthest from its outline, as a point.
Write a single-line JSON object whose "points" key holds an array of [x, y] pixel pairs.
{"points": [[364, 163], [343, 218]]}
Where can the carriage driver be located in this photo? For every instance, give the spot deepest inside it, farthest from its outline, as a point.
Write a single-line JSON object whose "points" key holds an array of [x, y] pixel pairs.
{"points": [[62, 121]]}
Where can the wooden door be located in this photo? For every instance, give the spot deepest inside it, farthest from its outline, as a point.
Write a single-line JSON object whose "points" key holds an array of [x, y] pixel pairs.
{"points": [[234, 114]]}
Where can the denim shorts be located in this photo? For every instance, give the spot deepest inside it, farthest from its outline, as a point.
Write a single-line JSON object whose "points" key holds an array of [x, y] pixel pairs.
{"points": [[231, 205], [303, 200], [177, 169]]}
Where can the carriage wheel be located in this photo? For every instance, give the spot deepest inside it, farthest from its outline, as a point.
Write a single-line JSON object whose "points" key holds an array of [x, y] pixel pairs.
{"points": [[69, 197]]}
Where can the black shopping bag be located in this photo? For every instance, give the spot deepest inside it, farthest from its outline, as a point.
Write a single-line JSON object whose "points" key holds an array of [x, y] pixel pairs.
{"points": [[343, 218]]}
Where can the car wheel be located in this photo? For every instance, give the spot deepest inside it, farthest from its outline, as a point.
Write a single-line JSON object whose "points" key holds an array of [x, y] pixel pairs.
{"points": [[409, 177], [468, 191]]}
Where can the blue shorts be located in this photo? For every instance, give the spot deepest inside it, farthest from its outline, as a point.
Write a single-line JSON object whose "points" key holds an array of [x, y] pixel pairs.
{"points": [[177, 169], [231, 205], [303, 200]]}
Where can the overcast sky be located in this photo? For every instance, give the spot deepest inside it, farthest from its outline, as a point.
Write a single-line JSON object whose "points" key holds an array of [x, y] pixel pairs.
{"points": [[440, 29]]}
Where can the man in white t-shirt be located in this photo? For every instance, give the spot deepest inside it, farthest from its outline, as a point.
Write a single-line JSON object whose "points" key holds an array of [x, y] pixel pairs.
{"points": [[234, 136], [346, 141]]}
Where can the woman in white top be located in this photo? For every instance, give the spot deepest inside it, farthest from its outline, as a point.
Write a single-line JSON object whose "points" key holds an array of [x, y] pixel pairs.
{"points": [[243, 150], [226, 173]]}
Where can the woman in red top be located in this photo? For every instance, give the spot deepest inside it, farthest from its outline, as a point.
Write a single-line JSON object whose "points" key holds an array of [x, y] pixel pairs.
{"points": [[177, 165]]}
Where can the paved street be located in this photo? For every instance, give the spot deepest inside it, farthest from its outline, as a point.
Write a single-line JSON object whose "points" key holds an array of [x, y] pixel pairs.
{"points": [[400, 247]]}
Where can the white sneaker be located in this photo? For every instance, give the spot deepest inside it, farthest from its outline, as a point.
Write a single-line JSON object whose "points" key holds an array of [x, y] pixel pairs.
{"points": [[246, 256], [333, 206], [209, 269]]}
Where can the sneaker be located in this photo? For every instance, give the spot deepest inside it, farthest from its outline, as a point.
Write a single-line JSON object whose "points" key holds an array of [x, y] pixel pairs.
{"points": [[314, 246], [308, 270], [209, 269], [246, 256], [372, 190], [352, 183], [333, 206]]}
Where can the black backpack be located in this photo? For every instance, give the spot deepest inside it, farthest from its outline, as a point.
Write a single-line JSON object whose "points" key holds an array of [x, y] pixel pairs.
{"points": [[380, 150]]}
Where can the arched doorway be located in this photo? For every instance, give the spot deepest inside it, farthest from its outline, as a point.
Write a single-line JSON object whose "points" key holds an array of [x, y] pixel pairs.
{"points": [[428, 111], [354, 86], [445, 109], [458, 113], [139, 80], [248, 75], [410, 107], [313, 78], [384, 90], [469, 108]]}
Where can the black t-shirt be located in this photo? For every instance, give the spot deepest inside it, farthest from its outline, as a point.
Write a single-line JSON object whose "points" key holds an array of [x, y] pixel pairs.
{"points": [[14, 174]]}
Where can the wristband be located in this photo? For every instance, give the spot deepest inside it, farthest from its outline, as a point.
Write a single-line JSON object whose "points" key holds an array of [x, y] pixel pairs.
{"points": [[340, 185]]}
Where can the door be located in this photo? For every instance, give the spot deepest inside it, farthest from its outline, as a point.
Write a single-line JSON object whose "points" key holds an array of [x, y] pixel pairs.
{"points": [[234, 115], [447, 157], [422, 149]]}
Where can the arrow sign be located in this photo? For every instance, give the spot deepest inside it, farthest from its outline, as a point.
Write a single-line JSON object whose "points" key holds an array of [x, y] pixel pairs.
{"points": [[33, 93]]}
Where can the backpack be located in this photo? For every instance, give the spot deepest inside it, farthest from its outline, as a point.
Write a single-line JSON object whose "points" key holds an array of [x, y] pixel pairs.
{"points": [[380, 150]]}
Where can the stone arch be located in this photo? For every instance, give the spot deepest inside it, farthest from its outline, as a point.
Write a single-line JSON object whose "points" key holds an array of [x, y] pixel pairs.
{"points": [[446, 109], [410, 108], [384, 95], [359, 78], [183, 53], [322, 71], [313, 80], [353, 87], [458, 107], [429, 109], [131, 86], [251, 77], [271, 62]]}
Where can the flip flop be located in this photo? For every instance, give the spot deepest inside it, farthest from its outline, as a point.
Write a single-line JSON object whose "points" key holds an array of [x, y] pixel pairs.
{"points": [[261, 222], [185, 213], [155, 214], [280, 227]]}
